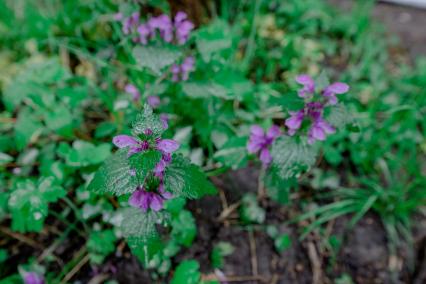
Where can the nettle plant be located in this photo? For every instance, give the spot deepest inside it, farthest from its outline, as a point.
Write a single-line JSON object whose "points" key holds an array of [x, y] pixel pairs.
{"points": [[286, 154], [147, 171]]}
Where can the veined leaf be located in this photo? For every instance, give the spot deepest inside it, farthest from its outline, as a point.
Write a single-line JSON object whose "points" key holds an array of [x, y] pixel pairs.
{"points": [[292, 157], [155, 58], [147, 120], [144, 163], [205, 90], [140, 227], [187, 180], [114, 175]]}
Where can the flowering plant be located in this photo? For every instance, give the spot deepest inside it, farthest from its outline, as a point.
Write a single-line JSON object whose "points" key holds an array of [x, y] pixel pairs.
{"points": [[147, 170]]}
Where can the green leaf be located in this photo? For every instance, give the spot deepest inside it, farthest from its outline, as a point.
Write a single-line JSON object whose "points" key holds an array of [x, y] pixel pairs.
{"points": [[214, 38], [155, 58], [339, 116], [219, 251], [5, 158], [198, 90], [233, 153], [100, 245], [27, 128], [277, 187], [250, 211], [60, 120], [185, 179], [283, 242], [114, 176], [184, 228], [139, 227], [105, 129], [147, 120], [83, 154], [187, 272], [29, 203], [291, 157], [144, 163]]}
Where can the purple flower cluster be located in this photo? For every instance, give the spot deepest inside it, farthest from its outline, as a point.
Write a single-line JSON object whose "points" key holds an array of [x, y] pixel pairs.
{"points": [[145, 197], [33, 278], [313, 110], [177, 29], [181, 72], [153, 101], [260, 142]]}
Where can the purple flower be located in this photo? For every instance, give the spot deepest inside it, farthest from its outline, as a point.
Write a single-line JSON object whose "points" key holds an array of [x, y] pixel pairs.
{"points": [[33, 278], [187, 66], [183, 27], [319, 129], [130, 23], [294, 122], [164, 25], [334, 89], [175, 69], [308, 85], [260, 141], [164, 120], [134, 144], [144, 32], [167, 147], [154, 101], [149, 199], [181, 72], [133, 91]]}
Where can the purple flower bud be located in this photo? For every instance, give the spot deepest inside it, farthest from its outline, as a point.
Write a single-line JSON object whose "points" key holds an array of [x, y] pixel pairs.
{"points": [[167, 145], [164, 120], [260, 142], [133, 91], [334, 89], [154, 101], [33, 278], [308, 85], [144, 32]]}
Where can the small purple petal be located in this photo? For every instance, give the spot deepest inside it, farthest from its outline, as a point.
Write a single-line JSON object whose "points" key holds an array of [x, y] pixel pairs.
{"points": [[136, 198], [273, 132], [153, 101], [265, 156], [338, 88], [295, 120], [156, 203], [33, 278], [164, 120], [167, 145], [317, 133], [257, 130], [122, 141]]}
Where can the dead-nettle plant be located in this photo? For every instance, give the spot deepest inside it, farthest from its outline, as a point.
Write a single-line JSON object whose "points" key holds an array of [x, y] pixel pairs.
{"points": [[147, 171], [286, 154]]}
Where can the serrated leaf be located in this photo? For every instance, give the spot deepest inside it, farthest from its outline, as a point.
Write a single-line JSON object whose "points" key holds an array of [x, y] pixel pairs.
{"points": [[144, 163], [185, 179], [114, 175], [292, 157], [140, 227], [147, 120], [198, 90], [277, 187], [339, 116], [155, 58]]}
